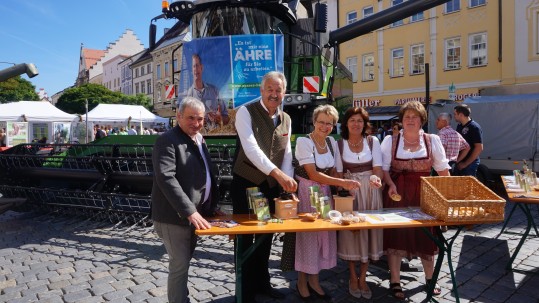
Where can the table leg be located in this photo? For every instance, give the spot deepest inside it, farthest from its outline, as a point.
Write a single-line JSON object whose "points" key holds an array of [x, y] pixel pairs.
{"points": [[444, 247], [526, 210], [533, 221], [535, 226], [240, 258], [507, 220]]}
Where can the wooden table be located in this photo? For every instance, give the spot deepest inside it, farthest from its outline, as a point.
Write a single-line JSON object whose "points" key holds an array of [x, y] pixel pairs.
{"points": [[249, 225], [522, 200]]}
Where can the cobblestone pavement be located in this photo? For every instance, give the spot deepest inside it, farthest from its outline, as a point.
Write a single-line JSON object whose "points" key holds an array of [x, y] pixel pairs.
{"points": [[45, 258]]}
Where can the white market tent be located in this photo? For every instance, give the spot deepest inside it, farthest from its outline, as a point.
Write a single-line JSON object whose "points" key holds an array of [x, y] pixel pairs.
{"points": [[33, 111], [120, 113], [43, 120]]}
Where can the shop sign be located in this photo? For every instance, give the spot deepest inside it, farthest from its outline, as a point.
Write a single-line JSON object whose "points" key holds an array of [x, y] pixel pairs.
{"points": [[461, 97], [366, 103], [401, 101]]}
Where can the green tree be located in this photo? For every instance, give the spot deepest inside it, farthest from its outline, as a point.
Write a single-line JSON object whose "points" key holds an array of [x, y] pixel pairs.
{"points": [[73, 99], [17, 89]]}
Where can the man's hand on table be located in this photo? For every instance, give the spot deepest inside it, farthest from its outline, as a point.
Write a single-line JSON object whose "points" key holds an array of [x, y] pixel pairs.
{"points": [[198, 221]]}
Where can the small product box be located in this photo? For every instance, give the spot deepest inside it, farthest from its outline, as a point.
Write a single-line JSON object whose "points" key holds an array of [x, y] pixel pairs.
{"points": [[344, 204], [286, 209]]}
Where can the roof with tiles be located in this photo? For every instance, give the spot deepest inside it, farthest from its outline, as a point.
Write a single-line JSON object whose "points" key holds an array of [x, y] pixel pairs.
{"points": [[91, 56]]}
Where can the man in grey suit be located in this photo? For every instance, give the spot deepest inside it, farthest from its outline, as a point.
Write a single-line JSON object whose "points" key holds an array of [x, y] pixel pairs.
{"points": [[184, 191]]}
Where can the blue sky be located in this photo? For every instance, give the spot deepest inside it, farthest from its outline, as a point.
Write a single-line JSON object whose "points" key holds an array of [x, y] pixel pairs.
{"points": [[49, 33]]}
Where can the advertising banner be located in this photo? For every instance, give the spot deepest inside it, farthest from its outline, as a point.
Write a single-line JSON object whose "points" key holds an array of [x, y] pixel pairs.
{"points": [[226, 72], [17, 133], [79, 133]]}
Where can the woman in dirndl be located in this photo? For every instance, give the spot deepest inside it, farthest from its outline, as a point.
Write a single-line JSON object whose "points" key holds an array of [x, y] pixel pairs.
{"points": [[361, 160], [406, 156], [317, 154]]}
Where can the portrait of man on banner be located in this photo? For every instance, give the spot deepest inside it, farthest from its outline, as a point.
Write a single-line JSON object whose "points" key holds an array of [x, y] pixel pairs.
{"points": [[225, 72]]}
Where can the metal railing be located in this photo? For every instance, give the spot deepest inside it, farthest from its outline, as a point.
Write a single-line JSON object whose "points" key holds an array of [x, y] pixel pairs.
{"points": [[107, 181]]}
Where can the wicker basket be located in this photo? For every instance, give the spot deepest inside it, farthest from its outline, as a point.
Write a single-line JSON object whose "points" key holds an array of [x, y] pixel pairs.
{"points": [[460, 199]]}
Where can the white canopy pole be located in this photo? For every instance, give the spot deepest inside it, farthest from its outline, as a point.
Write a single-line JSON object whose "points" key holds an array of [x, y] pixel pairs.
{"points": [[87, 140]]}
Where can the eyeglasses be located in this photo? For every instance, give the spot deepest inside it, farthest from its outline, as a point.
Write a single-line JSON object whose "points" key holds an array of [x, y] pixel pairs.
{"points": [[326, 124]]}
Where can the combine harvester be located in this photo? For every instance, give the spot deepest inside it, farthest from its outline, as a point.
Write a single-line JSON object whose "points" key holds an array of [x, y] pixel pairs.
{"points": [[111, 179]]}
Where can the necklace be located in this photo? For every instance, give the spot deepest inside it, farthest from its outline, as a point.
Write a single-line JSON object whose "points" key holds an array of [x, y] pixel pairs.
{"points": [[355, 144], [319, 145], [359, 144], [408, 142]]}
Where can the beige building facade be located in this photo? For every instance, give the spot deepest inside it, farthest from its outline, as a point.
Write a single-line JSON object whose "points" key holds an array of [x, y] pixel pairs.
{"points": [[166, 65], [469, 45]]}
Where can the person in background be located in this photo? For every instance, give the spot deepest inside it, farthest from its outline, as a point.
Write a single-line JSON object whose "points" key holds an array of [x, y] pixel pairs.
{"points": [[456, 148], [180, 204], [99, 132], [361, 160], [397, 126], [123, 132], [386, 130], [378, 133], [406, 156], [146, 131], [3, 137], [132, 130], [318, 155], [263, 159], [472, 133]]}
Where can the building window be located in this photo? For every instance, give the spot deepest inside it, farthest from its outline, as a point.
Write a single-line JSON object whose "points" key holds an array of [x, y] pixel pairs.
{"points": [[149, 68], [452, 6], [136, 88], [397, 62], [394, 3], [417, 17], [149, 86], [367, 11], [478, 49], [452, 53], [142, 70], [532, 22], [474, 3], [174, 65], [417, 59], [368, 67], [351, 17], [158, 71], [166, 69], [351, 64], [142, 87], [136, 72]]}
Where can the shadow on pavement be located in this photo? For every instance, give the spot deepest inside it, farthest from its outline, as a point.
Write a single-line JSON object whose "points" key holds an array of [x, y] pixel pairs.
{"points": [[481, 263]]}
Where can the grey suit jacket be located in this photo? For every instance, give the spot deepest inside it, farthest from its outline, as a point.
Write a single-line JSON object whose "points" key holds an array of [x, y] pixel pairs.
{"points": [[179, 179]]}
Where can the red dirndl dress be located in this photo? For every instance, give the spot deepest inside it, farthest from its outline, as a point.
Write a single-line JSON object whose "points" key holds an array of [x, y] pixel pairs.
{"points": [[406, 173]]}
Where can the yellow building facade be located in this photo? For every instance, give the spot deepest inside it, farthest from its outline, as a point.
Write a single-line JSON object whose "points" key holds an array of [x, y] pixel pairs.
{"points": [[469, 45]]}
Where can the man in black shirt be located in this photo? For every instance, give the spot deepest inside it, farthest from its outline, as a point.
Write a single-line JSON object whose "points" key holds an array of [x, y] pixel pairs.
{"points": [[472, 133]]}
